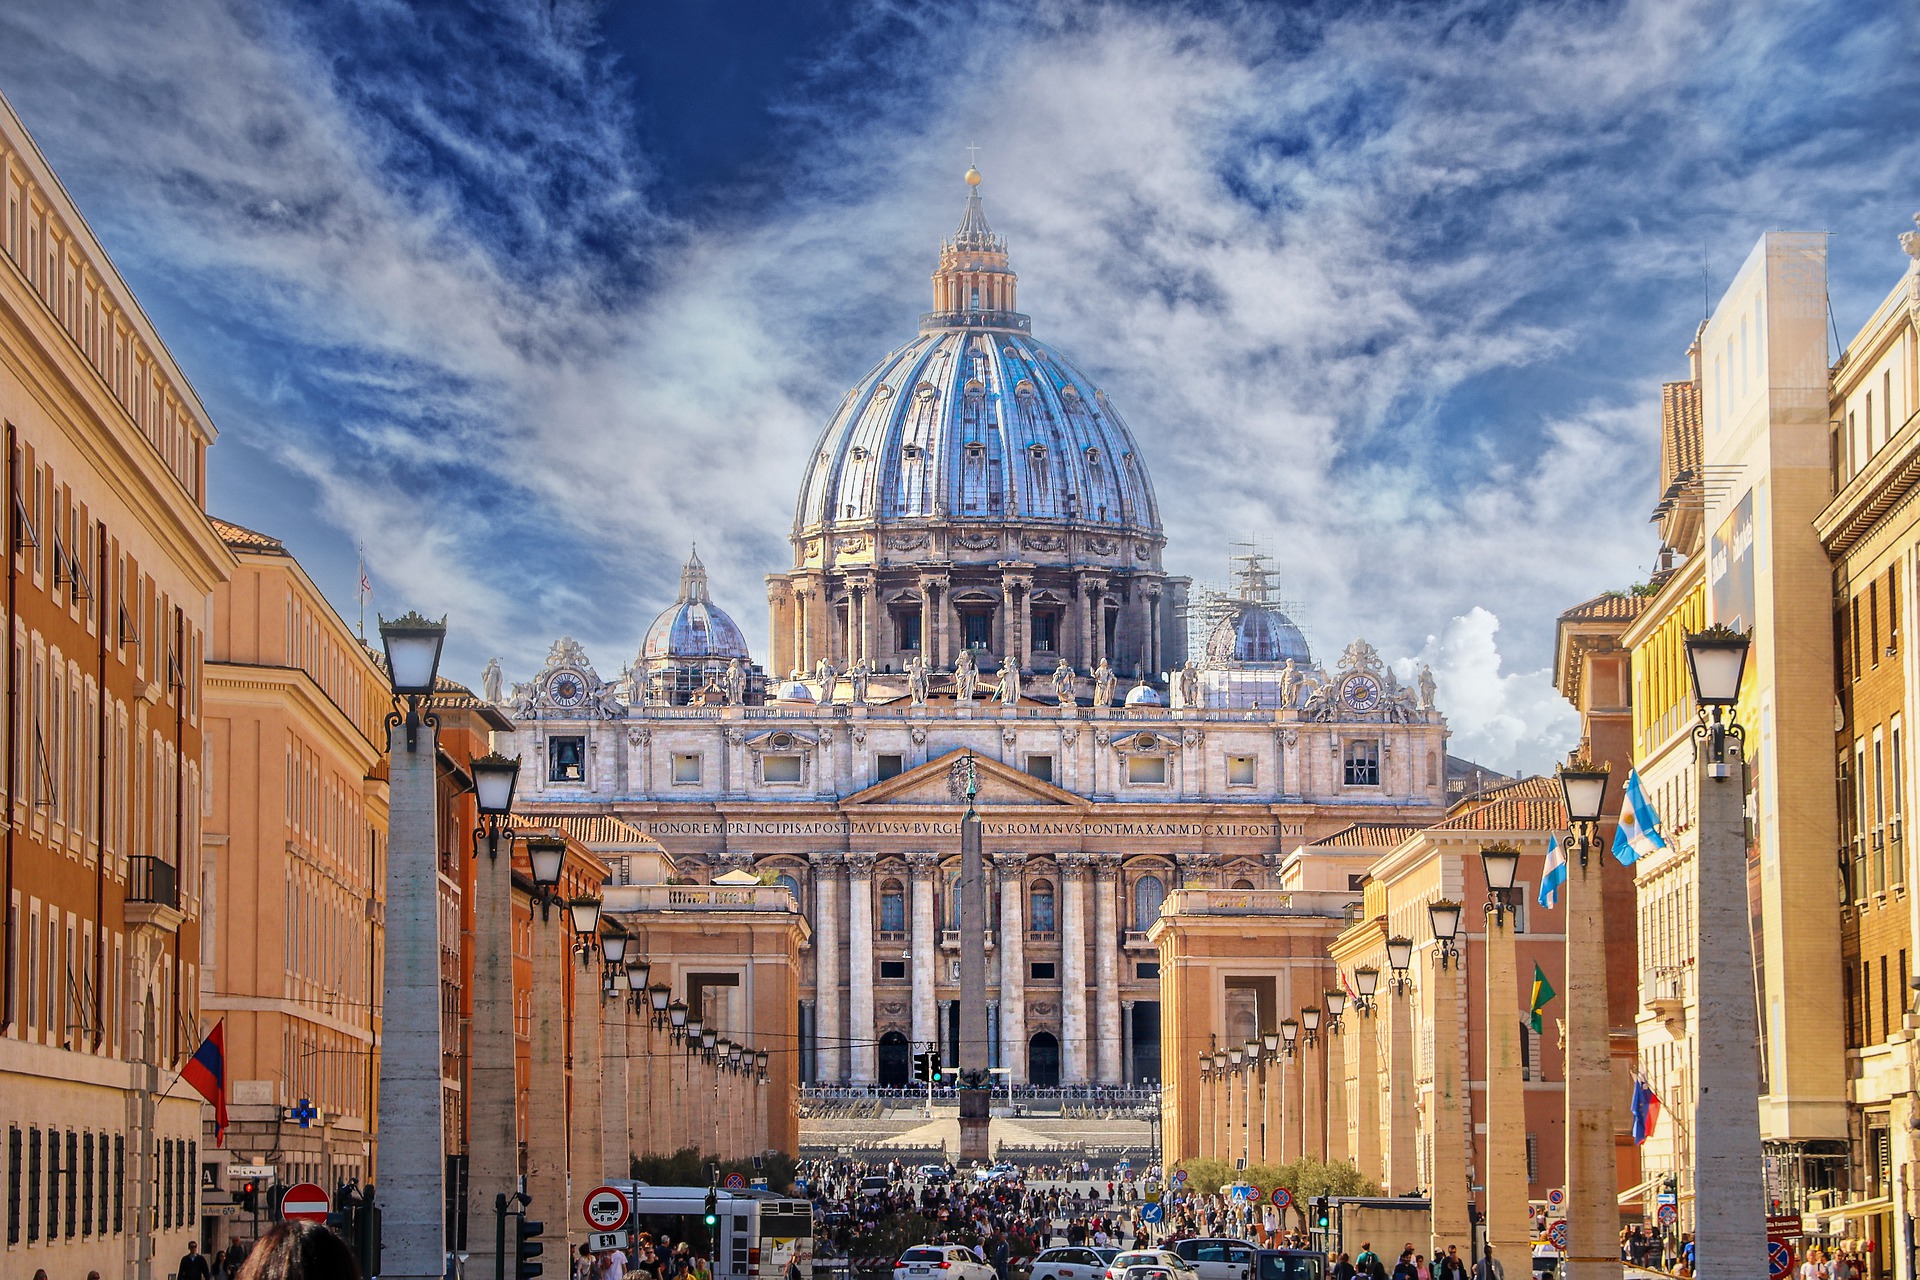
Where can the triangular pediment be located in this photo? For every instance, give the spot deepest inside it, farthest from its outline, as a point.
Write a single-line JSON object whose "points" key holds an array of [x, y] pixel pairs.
{"points": [[927, 784]]}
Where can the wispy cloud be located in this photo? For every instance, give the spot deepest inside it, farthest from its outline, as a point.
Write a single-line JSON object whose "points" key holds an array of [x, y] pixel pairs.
{"points": [[1388, 287]]}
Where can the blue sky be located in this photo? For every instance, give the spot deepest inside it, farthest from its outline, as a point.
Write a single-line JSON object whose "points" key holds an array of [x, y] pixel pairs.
{"points": [[523, 297]]}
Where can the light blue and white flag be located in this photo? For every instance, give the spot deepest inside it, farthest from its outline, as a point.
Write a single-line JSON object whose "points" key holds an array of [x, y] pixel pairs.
{"points": [[1555, 875], [1639, 831]]}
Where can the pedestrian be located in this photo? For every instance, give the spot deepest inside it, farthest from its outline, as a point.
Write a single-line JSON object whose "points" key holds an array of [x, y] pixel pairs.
{"points": [[300, 1251], [583, 1264], [1404, 1269], [1364, 1263], [1452, 1266], [193, 1266], [1489, 1267], [1343, 1268], [1420, 1269]]}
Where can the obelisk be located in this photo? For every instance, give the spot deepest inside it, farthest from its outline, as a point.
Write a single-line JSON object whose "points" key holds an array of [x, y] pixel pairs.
{"points": [[976, 1084]]}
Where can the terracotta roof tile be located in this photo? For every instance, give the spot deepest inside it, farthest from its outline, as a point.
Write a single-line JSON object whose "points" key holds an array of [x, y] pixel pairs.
{"points": [[1531, 804], [1609, 606], [1679, 431], [593, 829], [241, 538], [1368, 835]]}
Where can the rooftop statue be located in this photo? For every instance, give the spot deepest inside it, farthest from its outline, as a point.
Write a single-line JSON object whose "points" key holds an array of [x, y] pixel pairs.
{"points": [[1009, 688], [490, 680], [966, 676], [917, 682], [1103, 684], [1063, 683]]}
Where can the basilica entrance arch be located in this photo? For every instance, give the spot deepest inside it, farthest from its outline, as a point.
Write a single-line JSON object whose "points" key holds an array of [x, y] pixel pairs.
{"points": [[892, 1068], [1043, 1061]]}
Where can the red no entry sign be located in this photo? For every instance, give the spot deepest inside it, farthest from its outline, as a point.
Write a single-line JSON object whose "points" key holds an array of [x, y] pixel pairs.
{"points": [[304, 1202], [606, 1209]]}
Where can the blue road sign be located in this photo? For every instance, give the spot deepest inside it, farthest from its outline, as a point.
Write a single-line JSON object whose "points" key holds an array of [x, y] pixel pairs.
{"points": [[1151, 1213]]}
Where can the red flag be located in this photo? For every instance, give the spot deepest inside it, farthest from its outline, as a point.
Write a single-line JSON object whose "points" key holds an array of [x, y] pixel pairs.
{"points": [[206, 1071]]}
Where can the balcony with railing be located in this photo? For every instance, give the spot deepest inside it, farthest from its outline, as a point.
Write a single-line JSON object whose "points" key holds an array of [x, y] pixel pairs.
{"points": [[630, 898], [153, 893], [950, 939], [1255, 902]]}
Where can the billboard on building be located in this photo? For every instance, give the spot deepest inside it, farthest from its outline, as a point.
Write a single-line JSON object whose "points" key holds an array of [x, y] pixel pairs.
{"points": [[1730, 592]]}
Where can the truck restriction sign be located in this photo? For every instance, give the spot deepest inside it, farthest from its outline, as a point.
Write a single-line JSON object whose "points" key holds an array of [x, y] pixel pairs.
{"points": [[304, 1202], [606, 1209]]}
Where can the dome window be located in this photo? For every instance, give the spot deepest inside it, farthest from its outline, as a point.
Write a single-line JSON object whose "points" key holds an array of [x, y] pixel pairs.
{"points": [[975, 451], [926, 391], [1069, 392], [859, 454], [1024, 388], [1093, 456], [1037, 451], [911, 452]]}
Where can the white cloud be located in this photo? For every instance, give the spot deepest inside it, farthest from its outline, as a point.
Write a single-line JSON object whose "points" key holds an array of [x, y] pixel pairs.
{"points": [[1513, 722]]}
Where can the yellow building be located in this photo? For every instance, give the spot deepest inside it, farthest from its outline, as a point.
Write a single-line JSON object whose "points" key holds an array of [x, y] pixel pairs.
{"points": [[111, 564], [295, 836], [1871, 530]]}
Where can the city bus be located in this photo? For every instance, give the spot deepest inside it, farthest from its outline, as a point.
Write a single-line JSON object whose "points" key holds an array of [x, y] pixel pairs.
{"points": [[758, 1235]]}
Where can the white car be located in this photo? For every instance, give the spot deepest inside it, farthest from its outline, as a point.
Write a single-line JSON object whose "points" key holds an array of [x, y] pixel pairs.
{"points": [[1173, 1263], [1069, 1264], [941, 1262], [1219, 1257]]}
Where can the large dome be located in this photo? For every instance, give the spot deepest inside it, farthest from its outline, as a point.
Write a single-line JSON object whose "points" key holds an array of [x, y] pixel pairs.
{"points": [[1257, 633], [977, 427], [693, 626]]}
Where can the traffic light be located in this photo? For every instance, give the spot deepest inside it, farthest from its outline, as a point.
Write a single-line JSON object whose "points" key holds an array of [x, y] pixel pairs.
{"points": [[250, 1196], [713, 1208], [526, 1246], [1320, 1215]]}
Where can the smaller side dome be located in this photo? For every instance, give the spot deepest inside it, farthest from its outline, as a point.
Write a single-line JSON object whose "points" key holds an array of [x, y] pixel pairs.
{"points": [[793, 689], [694, 626], [1256, 633], [1143, 695]]}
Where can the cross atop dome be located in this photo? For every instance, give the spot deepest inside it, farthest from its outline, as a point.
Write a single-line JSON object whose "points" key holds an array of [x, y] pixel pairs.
{"points": [[975, 286]]}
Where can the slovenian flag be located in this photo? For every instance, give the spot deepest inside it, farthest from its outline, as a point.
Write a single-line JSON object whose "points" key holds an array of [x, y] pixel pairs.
{"points": [[1639, 831], [206, 1071], [1554, 876], [1646, 1110]]}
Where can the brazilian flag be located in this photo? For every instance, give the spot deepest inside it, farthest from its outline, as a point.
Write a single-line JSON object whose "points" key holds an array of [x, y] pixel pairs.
{"points": [[1543, 994]]}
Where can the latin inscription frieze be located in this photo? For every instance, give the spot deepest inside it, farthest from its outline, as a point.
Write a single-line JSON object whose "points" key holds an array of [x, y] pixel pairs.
{"points": [[991, 827]]}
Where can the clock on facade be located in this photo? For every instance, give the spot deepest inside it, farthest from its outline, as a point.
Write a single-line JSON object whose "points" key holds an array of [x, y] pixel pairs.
{"points": [[1361, 691], [567, 689]]}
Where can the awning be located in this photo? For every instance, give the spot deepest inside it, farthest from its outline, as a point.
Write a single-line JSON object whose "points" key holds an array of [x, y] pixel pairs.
{"points": [[1639, 1190], [1859, 1208]]}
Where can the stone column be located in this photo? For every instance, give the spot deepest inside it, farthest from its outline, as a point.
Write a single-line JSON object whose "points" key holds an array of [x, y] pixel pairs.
{"points": [[1106, 968], [829, 1030], [1451, 1147], [802, 659], [1009, 651], [645, 1080], [1272, 1074], [1229, 1149], [1126, 1042], [616, 1138], [1025, 587], [862, 1047], [1099, 622], [412, 1132], [1339, 1141], [1592, 1230], [1313, 1094], [1153, 630], [1505, 1176], [1729, 1232], [1367, 1077], [585, 1162], [493, 1146], [547, 1075], [1013, 963], [925, 943], [1294, 1083], [1073, 969], [1207, 1107], [1085, 623], [1403, 1163]]}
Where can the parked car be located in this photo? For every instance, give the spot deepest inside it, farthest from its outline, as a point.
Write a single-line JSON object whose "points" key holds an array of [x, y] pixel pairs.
{"points": [[934, 1175], [875, 1184], [1546, 1261], [1069, 1264], [1292, 1264], [997, 1173], [1126, 1260], [941, 1262], [1219, 1257]]}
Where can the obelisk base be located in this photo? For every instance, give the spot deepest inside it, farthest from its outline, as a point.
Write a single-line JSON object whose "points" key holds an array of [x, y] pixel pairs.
{"points": [[975, 1110]]}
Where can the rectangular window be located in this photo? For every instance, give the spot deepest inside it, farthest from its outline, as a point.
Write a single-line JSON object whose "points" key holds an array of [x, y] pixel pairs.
{"points": [[33, 1185], [1040, 767], [1873, 623], [119, 1182], [1526, 1050], [785, 768], [1533, 1157], [53, 1185], [1879, 814], [1897, 776], [16, 1155], [86, 1185], [888, 766], [1866, 1002], [1893, 609], [686, 768], [1856, 638], [1046, 629], [1240, 771], [1356, 882], [976, 628], [909, 632], [1362, 761], [72, 1167], [1043, 971], [1147, 769], [566, 759], [166, 1181], [1886, 1023], [1147, 971], [106, 1183], [893, 968]]}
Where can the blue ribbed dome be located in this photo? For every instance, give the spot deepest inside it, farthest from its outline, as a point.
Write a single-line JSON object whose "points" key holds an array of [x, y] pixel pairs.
{"points": [[1258, 633], [694, 626], [977, 427]]}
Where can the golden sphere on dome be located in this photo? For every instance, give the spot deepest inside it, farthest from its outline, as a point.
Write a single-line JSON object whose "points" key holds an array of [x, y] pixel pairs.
{"points": [[973, 176]]}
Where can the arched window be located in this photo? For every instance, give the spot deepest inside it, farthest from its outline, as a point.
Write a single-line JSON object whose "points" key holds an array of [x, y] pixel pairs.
{"points": [[792, 886], [893, 907], [1243, 884], [1148, 894], [1040, 907], [953, 902]]}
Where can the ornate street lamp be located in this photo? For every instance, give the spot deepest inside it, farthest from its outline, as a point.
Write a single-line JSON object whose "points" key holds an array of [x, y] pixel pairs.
{"points": [[708, 1037], [658, 996], [1234, 1055], [1400, 960], [1253, 1052], [1220, 1060], [1289, 1036], [1366, 981], [413, 646], [1272, 1039], [1444, 915], [613, 949], [1336, 999], [546, 854], [494, 778], [1717, 661], [694, 1030], [585, 910], [760, 1061], [1310, 1023], [1584, 789], [1501, 865]]}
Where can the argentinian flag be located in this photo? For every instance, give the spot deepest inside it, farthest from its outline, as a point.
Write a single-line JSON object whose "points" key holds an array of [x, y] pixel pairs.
{"points": [[1639, 831], [1554, 876]]}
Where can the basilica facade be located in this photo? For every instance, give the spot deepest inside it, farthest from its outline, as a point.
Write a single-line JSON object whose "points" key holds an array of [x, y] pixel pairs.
{"points": [[977, 569]]}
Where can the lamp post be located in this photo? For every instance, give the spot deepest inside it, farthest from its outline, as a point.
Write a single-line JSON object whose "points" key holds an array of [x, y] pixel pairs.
{"points": [[1273, 1130], [1239, 1127], [1222, 1107], [1294, 1142], [1204, 1147], [1729, 1228], [584, 910], [1369, 1076], [411, 1133], [1403, 1172], [1506, 1172], [493, 1157], [546, 854], [1339, 1142], [1592, 1209], [1450, 1147], [1313, 1086]]}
